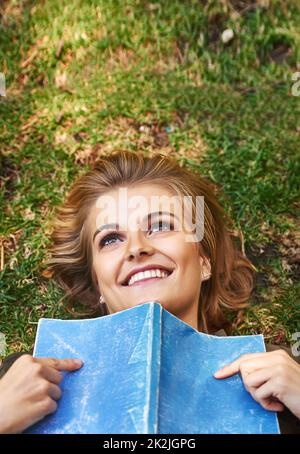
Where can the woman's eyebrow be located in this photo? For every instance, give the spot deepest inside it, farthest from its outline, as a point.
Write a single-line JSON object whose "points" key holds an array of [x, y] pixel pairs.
{"points": [[106, 227], [149, 216], [160, 213]]}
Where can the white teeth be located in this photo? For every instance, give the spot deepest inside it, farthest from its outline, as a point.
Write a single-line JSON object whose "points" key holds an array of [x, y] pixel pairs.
{"points": [[146, 275]]}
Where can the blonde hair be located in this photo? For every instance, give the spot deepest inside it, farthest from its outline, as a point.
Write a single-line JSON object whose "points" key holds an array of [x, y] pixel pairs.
{"points": [[231, 279]]}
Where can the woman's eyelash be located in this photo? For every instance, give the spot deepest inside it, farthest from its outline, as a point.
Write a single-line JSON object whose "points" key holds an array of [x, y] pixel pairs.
{"points": [[111, 236], [108, 237]]}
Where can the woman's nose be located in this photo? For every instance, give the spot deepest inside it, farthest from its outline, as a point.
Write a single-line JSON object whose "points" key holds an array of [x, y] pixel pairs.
{"points": [[138, 246]]}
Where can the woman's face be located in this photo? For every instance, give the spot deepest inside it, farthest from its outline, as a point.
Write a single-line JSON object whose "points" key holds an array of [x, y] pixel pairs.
{"points": [[174, 268]]}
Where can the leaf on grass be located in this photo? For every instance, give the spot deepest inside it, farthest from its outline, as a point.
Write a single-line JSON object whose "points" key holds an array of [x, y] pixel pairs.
{"points": [[59, 48], [27, 251], [29, 59], [47, 274], [8, 246], [31, 121], [88, 154], [61, 79], [28, 214]]}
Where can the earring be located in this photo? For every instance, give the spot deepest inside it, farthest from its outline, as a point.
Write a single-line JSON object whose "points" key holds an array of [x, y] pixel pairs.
{"points": [[206, 276], [101, 300]]}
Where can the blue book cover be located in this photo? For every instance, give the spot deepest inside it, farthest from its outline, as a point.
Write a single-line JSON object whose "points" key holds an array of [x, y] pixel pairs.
{"points": [[145, 371]]}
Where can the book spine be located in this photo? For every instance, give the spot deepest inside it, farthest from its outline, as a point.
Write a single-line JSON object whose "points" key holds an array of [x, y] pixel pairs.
{"points": [[153, 373]]}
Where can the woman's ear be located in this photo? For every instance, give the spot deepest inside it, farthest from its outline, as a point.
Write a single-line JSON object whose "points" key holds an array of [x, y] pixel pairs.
{"points": [[205, 268]]}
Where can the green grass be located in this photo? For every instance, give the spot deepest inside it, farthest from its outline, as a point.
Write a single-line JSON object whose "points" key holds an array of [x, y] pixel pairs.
{"points": [[83, 77]]}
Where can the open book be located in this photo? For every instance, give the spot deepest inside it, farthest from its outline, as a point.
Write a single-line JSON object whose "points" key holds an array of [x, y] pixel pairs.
{"points": [[146, 371]]}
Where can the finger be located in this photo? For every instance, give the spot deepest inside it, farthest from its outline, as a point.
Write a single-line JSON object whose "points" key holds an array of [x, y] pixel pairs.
{"points": [[54, 392], [258, 377], [249, 363], [52, 375], [61, 364], [47, 406], [264, 396], [273, 406], [234, 367]]}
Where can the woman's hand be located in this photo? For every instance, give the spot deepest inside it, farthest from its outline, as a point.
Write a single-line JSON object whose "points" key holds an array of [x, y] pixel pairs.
{"points": [[272, 379], [29, 391]]}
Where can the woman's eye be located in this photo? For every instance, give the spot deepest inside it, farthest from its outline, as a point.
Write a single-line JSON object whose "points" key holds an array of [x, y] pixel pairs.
{"points": [[109, 239], [161, 226]]}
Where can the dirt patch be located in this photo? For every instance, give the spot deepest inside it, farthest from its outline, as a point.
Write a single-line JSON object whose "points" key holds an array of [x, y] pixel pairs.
{"points": [[289, 247], [215, 27], [150, 137], [260, 257], [286, 248]]}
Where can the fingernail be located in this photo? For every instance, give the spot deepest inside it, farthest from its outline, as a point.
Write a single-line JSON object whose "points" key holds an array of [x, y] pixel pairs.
{"points": [[218, 373], [78, 362]]}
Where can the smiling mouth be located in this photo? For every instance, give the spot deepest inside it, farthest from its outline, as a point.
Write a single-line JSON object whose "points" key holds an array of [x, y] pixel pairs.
{"points": [[148, 280]]}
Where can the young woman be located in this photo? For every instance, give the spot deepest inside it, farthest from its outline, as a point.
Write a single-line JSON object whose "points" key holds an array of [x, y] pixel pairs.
{"points": [[124, 236]]}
